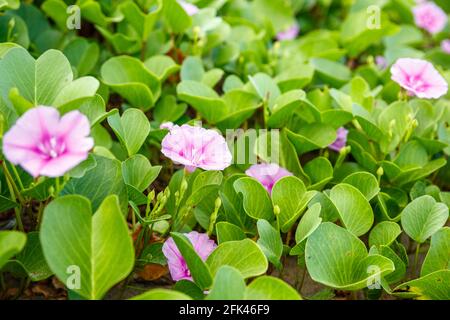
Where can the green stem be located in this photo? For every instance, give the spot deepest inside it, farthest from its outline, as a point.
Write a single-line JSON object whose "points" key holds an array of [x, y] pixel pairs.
{"points": [[13, 197], [18, 177], [15, 191]]}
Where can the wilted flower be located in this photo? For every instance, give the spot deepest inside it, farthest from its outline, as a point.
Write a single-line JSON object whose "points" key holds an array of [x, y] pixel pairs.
{"points": [[177, 265], [166, 125], [45, 144], [190, 8], [430, 17], [419, 77], [289, 34], [340, 141], [445, 46], [267, 174], [196, 147]]}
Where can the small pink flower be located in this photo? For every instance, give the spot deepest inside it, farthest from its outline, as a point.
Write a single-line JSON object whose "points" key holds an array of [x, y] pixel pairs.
{"points": [[381, 62], [45, 144], [430, 17], [289, 34], [190, 8], [340, 141], [177, 265], [166, 125], [419, 77], [267, 174], [196, 147], [445, 46]]}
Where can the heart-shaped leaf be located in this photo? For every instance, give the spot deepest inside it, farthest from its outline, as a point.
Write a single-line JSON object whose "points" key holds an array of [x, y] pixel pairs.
{"points": [[338, 259], [354, 209], [290, 195], [132, 129], [423, 217], [87, 244], [130, 78], [45, 81], [138, 172], [257, 203], [244, 255]]}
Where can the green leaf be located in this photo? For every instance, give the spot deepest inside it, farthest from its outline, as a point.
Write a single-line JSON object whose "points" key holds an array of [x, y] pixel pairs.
{"points": [[161, 294], [32, 259], [433, 286], [198, 269], [45, 81], [312, 137], [141, 22], [270, 242], [270, 288], [290, 195], [99, 182], [266, 88], [319, 171], [203, 99], [161, 66], [138, 172], [176, 17], [82, 54], [192, 69], [365, 182], [331, 72], [423, 217], [309, 223], [228, 285], [257, 202], [337, 258], [132, 129], [11, 243], [87, 244], [228, 232], [354, 209], [130, 78], [6, 204], [384, 233], [438, 256], [244, 255]]}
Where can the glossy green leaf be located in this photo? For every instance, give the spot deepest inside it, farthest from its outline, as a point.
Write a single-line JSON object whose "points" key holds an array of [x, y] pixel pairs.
{"points": [[423, 217], [244, 255], [87, 244]]}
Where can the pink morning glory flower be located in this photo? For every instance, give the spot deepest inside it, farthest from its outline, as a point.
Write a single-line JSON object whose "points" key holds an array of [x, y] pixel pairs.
{"points": [[289, 34], [196, 147], [430, 17], [177, 265], [445, 46], [45, 144], [267, 174], [190, 8], [419, 77], [340, 141]]}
